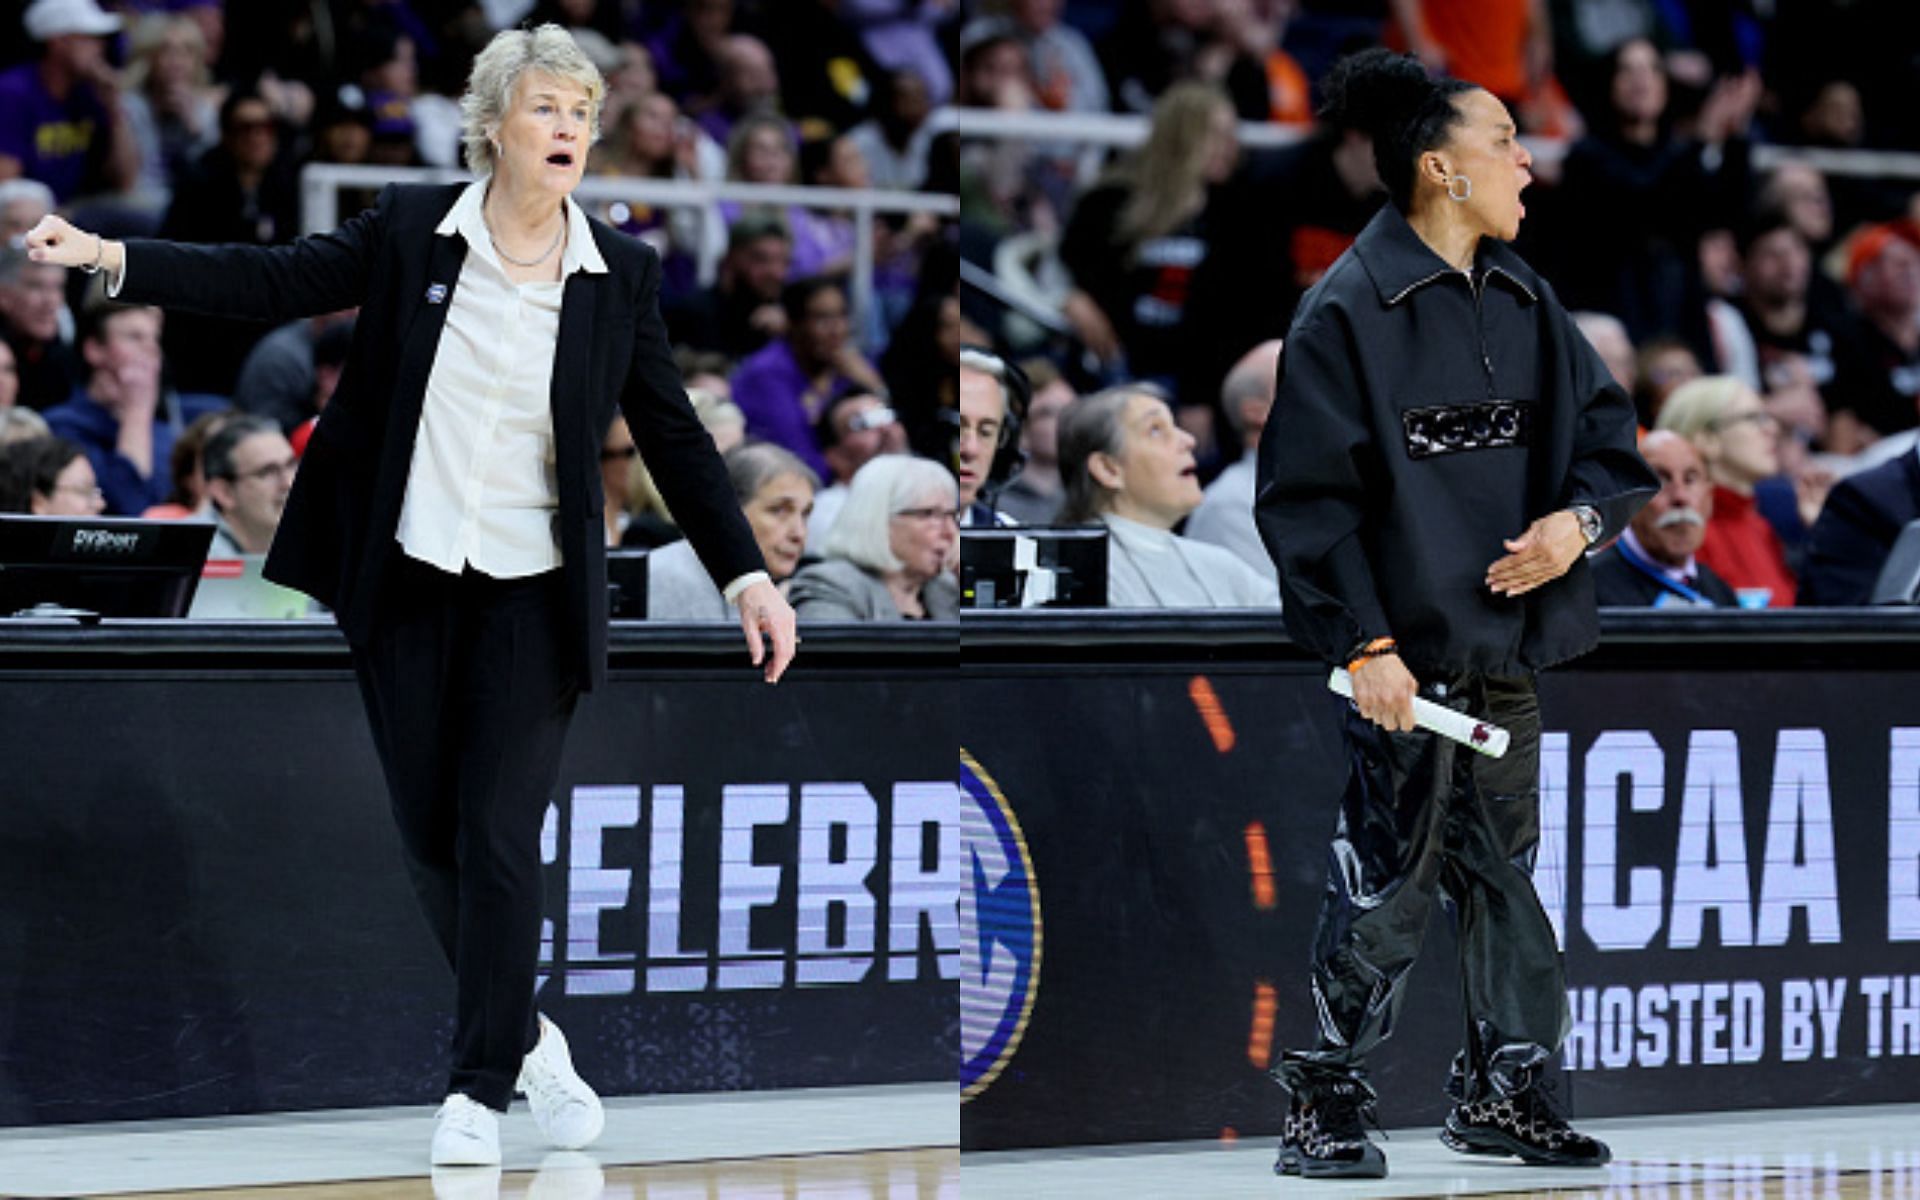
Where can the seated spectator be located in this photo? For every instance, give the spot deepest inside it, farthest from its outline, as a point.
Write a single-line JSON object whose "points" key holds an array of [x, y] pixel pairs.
{"points": [[922, 360], [741, 313], [749, 86], [1863, 516], [1664, 364], [249, 468], [1738, 439], [186, 466], [1636, 196], [277, 378], [330, 351], [32, 299], [1795, 339], [1653, 563], [1137, 241], [48, 477], [1127, 465], [172, 106], [828, 236], [650, 140], [785, 386], [1288, 214], [1877, 383], [635, 512], [763, 150], [55, 125], [1034, 495], [1225, 515], [719, 415], [993, 401], [776, 493], [118, 417], [1800, 192], [886, 559], [896, 139], [22, 203], [855, 428], [1609, 339], [1067, 76], [239, 192]]}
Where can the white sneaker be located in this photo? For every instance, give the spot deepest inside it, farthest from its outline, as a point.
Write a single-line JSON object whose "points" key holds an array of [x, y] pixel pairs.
{"points": [[468, 1134], [565, 1108]]}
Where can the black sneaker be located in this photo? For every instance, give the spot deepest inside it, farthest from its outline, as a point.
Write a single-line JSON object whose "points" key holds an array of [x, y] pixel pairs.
{"points": [[1525, 1124], [1325, 1134]]}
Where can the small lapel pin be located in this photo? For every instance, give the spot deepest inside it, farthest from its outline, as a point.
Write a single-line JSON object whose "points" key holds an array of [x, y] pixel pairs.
{"points": [[437, 293]]}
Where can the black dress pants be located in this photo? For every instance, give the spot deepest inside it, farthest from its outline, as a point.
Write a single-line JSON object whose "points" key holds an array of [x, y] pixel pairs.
{"points": [[1423, 818], [469, 698]]}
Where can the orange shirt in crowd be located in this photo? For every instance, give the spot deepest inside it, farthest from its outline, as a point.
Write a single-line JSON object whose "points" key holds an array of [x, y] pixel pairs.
{"points": [[1485, 42]]}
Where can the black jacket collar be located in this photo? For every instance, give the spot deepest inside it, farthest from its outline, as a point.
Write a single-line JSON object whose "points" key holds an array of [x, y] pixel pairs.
{"points": [[1399, 263]]}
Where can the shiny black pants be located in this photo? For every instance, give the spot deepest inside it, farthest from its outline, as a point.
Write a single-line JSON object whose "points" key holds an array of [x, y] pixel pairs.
{"points": [[1423, 818], [469, 696]]}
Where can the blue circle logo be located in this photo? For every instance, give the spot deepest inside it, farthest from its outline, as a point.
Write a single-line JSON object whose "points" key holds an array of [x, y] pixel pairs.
{"points": [[999, 932]]}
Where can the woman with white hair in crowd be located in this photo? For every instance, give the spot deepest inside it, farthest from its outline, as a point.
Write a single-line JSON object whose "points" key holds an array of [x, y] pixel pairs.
{"points": [[1127, 465], [775, 490], [886, 555], [447, 511]]}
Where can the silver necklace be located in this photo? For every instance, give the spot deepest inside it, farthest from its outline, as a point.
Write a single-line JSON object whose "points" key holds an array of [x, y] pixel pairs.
{"points": [[529, 262]]}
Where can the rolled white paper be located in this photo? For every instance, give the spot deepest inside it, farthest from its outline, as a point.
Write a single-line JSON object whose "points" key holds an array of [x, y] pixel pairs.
{"points": [[1484, 736]]}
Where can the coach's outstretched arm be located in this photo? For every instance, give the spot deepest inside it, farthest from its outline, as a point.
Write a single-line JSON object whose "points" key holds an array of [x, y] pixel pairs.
{"points": [[319, 273]]}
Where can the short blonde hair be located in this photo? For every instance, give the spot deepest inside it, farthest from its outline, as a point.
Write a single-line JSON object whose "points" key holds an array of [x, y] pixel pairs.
{"points": [[498, 68], [1696, 404]]}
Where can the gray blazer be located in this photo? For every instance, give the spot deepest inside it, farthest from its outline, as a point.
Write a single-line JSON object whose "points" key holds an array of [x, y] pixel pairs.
{"points": [[679, 588], [837, 590]]}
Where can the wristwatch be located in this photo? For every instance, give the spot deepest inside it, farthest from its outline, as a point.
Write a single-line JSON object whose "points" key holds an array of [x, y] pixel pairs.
{"points": [[1591, 523]]}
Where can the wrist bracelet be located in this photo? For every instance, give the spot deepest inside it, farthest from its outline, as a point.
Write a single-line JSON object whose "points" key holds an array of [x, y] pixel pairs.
{"points": [[1377, 648], [99, 255]]}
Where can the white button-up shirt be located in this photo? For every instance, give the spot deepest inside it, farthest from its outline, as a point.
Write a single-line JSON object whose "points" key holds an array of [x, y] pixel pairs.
{"points": [[481, 488]]}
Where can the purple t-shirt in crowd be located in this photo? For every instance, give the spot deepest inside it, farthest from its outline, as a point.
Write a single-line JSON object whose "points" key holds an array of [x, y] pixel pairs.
{"points": [[780, 404], [53, 139]]}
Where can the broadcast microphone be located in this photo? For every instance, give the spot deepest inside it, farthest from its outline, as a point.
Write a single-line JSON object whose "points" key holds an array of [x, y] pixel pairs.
{"points": [[1484, 736]]}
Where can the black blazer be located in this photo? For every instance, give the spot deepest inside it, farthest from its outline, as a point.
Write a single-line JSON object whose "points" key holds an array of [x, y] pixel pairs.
{"points": [[1862, 518], [336, 538], [1619, 584]]}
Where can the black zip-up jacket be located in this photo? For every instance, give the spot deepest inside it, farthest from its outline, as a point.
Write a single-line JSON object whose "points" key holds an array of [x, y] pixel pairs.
{"points": [[1422, 417]]}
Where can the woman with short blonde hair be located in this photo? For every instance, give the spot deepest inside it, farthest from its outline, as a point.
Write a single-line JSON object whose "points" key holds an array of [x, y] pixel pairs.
{"points": [[446, 511]]}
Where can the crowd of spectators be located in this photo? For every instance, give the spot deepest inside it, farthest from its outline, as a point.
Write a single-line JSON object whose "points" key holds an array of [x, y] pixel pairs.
{"points": [[1759, 303], [193, 119]]}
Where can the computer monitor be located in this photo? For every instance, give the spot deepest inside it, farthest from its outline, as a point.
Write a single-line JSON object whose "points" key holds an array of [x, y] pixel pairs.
{"points": [[1034, 567], [627, 585], [110, 566]]}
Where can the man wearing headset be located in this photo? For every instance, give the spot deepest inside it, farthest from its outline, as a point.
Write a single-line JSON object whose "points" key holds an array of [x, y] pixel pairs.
{"points": [[993, 400]]}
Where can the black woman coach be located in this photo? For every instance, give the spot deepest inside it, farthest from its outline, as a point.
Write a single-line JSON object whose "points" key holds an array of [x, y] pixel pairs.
{"points": [[448, 510], [1444, 448]]}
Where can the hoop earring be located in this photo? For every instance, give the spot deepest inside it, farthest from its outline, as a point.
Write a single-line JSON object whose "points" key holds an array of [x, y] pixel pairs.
{"points": [[1460, 196]]}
